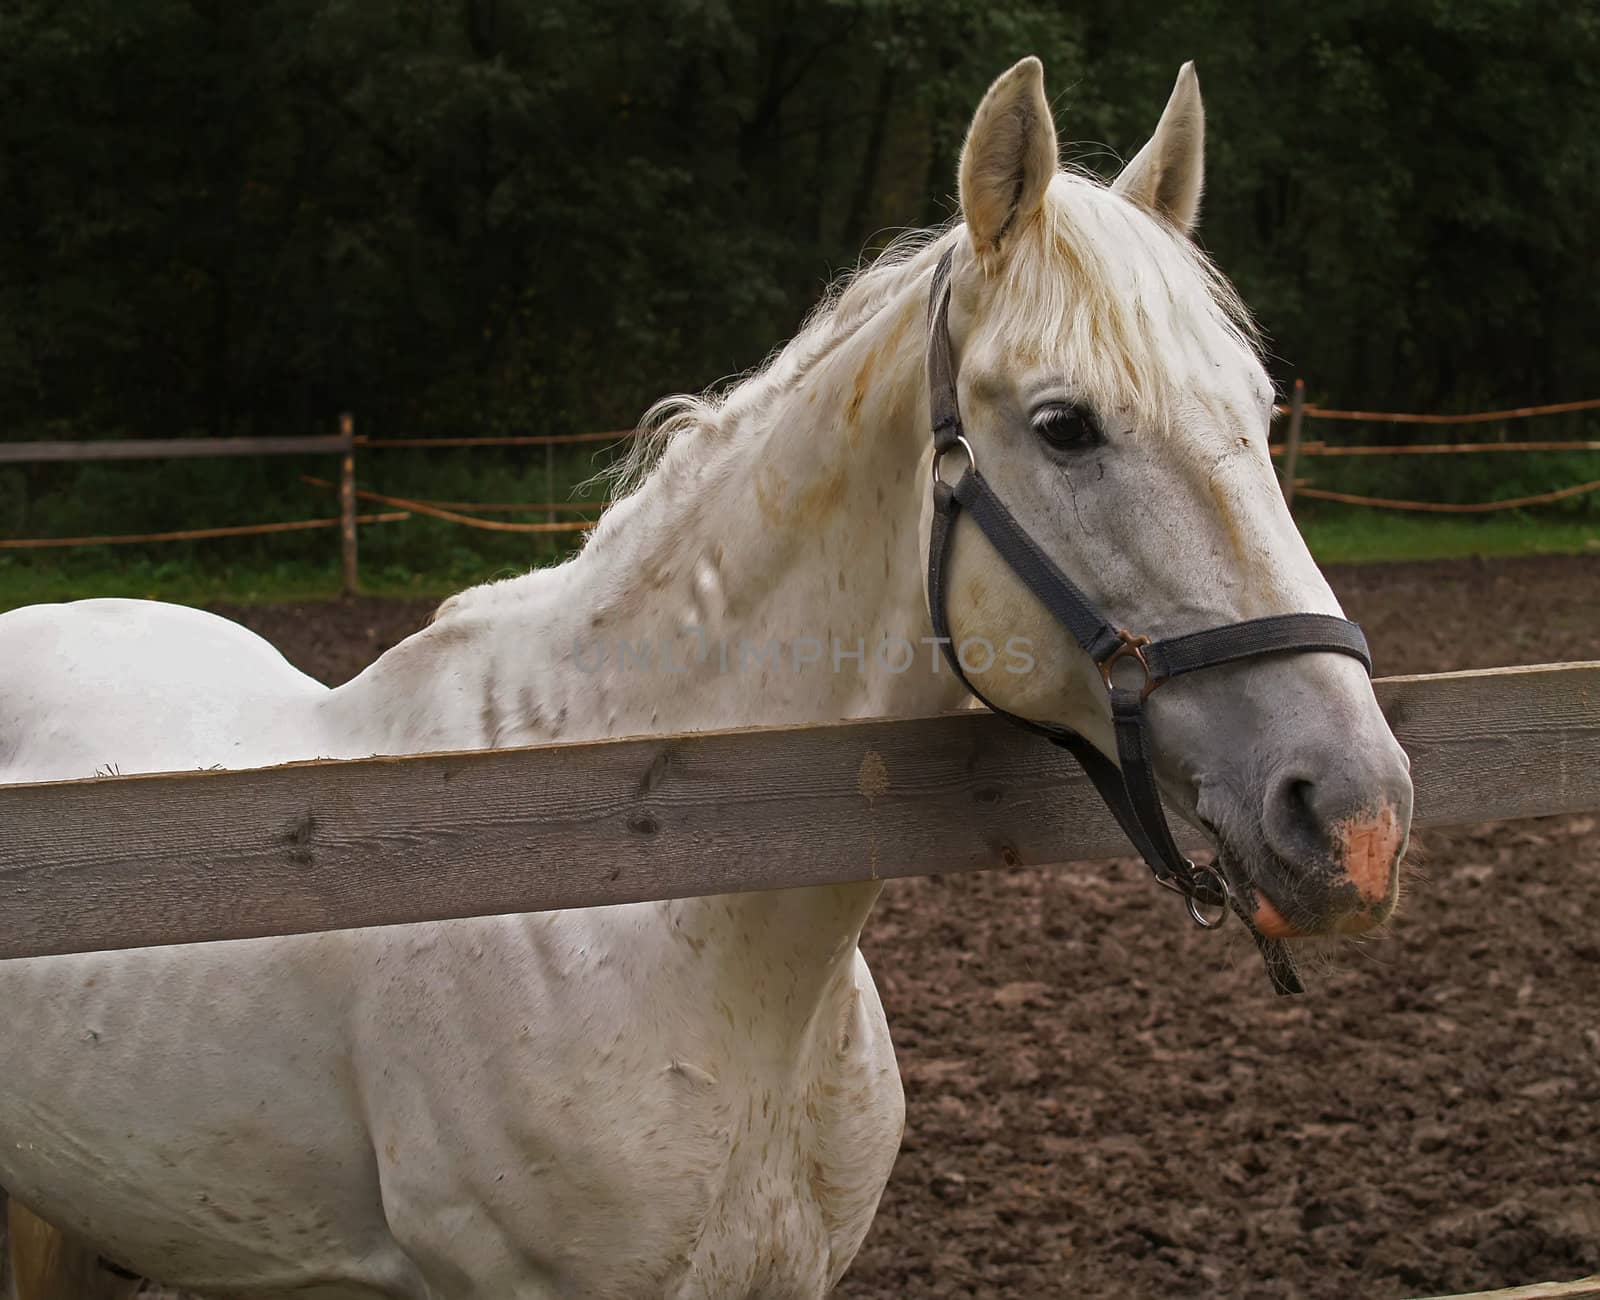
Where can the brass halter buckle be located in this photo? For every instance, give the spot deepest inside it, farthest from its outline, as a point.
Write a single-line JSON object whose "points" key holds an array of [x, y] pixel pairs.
{"points": [[1132, 647]]}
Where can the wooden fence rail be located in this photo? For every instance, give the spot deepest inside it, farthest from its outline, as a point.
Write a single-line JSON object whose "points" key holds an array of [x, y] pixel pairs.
{"points": [[21, 453], [130, 861]]}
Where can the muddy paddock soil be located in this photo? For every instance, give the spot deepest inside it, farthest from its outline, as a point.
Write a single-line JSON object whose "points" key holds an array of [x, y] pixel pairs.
{"points": [[1105, 1102]]}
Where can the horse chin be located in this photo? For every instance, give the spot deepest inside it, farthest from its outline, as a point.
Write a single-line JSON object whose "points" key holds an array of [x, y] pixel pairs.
{"points": [[1272, 922], [1264, 893]]}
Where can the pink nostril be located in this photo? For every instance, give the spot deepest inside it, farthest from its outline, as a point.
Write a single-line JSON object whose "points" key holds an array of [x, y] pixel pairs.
{"points": [[1368, 849]]}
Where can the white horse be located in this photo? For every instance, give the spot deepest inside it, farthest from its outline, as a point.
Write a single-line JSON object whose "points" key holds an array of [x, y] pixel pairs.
{"points": [[695, 1098]]}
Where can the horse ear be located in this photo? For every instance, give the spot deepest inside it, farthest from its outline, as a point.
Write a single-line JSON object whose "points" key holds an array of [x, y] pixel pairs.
{"points": [[1168, 174], [1008, 159]]}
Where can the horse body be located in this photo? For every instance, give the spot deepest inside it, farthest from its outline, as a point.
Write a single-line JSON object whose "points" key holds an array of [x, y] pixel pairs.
{"points": [[695, 1098], [690, 1098], [524, 1106]]}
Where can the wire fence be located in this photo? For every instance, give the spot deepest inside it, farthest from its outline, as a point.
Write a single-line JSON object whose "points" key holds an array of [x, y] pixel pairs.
{"points": [[477, 514], [1299, 410], [1472, 417], [1450, 507], [195, 534], [439, 510]]}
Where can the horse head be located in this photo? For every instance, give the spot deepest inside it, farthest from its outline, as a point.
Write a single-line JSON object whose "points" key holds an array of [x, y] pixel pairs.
{"points": [[1108, 383]]}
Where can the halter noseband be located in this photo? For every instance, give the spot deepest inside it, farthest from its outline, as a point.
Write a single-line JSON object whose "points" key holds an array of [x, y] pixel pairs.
{"points": [[1128, 786]]}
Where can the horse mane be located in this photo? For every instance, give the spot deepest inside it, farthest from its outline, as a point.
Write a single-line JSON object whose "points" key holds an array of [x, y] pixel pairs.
{"points": [[1120, 328], [851, 300]]}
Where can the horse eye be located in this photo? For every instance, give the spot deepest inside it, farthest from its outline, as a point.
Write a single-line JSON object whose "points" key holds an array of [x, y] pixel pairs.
{"points": [[1065, 426]]}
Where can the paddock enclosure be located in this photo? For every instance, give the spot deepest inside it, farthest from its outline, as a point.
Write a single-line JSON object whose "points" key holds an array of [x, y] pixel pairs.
{"points": [[1104, 1101]]}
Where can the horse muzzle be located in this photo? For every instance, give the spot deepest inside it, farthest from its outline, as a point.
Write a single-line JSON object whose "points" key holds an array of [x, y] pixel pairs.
{"points": [[1333, 847]]}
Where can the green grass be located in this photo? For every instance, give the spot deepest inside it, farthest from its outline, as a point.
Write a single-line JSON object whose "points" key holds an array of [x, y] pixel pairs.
{"points": [[32, 583], [1353, 535], [190, 576]]}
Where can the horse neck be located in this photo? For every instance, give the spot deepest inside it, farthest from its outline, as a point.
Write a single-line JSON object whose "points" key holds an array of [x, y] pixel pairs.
{"points": [[791, 536], [748, 551]]}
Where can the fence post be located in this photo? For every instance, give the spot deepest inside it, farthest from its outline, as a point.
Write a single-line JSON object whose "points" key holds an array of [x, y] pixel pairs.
{"points": [[550, 480], [1291, 452], [347, 504]]}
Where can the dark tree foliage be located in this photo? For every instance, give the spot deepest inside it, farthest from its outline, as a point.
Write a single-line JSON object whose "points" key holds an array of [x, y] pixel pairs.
{"points": [[476, 214]]}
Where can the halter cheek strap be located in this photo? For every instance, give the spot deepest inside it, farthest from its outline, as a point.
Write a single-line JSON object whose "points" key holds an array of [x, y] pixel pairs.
{"points": [[1128, 786]]}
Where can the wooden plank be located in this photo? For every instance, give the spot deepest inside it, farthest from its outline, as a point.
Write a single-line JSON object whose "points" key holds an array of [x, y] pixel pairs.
{"points": [[1585, 1288], [507, 440], [169, 448], [1500, 742], [139, 860]]}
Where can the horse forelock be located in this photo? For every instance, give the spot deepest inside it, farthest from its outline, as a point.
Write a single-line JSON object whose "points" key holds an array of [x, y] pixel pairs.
{"points": [[1125, 307]]}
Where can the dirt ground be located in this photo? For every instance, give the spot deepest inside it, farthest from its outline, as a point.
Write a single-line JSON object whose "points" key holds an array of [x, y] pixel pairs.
{"points": [[1105, 1102]]}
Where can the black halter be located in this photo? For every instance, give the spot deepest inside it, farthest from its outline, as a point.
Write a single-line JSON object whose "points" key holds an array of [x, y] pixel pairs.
{"points": [[1129, 789]]}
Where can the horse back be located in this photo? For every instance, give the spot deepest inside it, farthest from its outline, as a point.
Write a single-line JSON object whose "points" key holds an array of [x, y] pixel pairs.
{"points": [[106, 687]]}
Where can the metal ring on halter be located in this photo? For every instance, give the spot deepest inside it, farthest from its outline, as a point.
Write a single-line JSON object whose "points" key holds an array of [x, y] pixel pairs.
{"points": [[961, 441], [1132, 647], [1193, 903]]}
